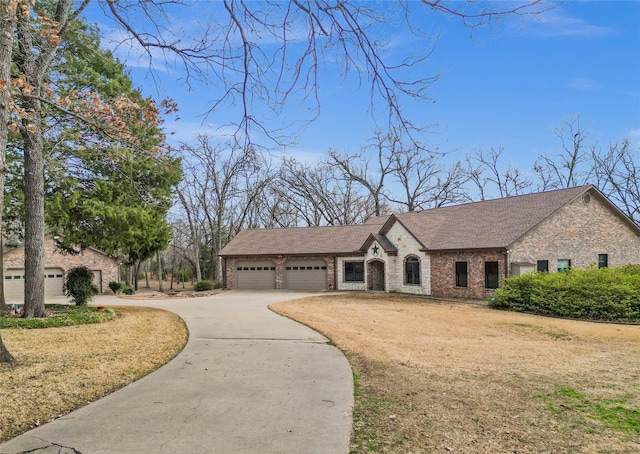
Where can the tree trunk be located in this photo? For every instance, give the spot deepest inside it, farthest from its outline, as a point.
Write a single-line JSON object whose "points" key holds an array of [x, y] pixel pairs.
{"points": [[160, 289], [7, 15], [3, 301], [34, 214]]}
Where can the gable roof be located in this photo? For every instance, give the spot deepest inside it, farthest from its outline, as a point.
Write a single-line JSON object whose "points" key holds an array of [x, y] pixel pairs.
{"points": [[383, 241], [490, 224]]}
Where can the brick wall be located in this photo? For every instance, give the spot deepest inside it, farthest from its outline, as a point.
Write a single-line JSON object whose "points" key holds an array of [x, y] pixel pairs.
{"points": [[91, 258], [443, 273], [579, 232]]}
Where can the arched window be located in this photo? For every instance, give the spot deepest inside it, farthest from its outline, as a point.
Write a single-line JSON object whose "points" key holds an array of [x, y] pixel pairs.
{"points": [[412, 271]]}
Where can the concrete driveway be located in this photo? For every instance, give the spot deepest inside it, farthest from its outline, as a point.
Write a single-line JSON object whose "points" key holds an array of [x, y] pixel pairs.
{"points": [[248, 381]]}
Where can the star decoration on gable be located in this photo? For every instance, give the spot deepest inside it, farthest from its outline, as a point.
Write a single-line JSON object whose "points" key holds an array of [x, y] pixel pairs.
{"points": [[375, 249]]}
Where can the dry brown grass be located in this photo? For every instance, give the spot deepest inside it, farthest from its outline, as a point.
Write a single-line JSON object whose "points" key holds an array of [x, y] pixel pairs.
{"points": [[61, 369], [453, 377]]}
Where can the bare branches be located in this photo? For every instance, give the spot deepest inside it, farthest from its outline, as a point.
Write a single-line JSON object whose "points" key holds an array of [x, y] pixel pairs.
{"points": [[484, 14], [571, 166]]}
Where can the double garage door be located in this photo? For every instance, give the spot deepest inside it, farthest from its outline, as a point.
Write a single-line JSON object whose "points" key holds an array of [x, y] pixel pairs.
{"points": [[298, 275], [14, 283], [53, 283]]}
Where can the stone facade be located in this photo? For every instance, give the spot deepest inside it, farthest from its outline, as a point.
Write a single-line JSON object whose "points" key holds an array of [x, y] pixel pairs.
{"points": [[407, 246], [93, 259], [580, 231]]}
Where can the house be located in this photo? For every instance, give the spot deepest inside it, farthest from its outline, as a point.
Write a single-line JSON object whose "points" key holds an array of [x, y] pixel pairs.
{"points": [[460, 251], [57, 263]]}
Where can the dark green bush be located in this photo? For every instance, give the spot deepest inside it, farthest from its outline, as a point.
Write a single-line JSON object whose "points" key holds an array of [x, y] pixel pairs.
{"points": [[202, 286], [591, 294], [218, 284], [128, 290], [79, 285], [116, 286]]}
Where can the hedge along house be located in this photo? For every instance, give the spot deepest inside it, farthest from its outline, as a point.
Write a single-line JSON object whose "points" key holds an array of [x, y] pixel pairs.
{"points": [[57, 263], [461, 251]]}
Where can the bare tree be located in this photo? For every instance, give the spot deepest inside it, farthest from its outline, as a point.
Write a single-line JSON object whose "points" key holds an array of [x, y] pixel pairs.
{"points": [[189, 198], [267, 54], [226, 181], [488, 176], [617, 174], [572, 164], [318, 195], [424, 181], [371, 166]]}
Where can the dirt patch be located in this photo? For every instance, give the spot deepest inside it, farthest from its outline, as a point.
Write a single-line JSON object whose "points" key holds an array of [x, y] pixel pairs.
{"points": [[61, 369], [453, 377]]}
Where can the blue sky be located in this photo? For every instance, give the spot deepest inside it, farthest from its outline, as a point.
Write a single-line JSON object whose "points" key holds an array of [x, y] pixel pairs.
{"points": [[508, 85]]}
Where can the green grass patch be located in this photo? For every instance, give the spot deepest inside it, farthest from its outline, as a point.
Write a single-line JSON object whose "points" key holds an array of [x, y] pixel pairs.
{"points": [[371, 431], [59, 315], [556, 334], [615, 414]]}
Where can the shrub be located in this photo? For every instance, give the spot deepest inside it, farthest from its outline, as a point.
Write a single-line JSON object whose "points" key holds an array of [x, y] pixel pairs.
{"points": [[218, 284], [591, 294], [116, 286], [202, 286], [79, 285], [128, 290]]}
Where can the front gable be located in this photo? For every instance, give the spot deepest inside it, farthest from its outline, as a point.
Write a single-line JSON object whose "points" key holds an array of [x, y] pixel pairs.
{"points": [[582, 230]]}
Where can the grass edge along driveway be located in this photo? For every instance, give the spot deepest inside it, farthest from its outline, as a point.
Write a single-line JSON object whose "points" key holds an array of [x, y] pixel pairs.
{"points": [[452, 377], [61, 369]]}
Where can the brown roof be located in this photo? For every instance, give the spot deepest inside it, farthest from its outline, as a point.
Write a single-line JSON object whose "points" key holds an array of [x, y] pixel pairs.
{"points": [[299, 240], [484, 225], [491, 224]]}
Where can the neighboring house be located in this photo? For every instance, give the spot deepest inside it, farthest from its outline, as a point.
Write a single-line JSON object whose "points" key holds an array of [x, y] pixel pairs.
{"points": [[57, 263], [461, 251]]}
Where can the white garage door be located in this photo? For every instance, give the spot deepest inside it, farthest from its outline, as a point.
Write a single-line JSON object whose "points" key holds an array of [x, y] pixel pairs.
{"points": [[306, 275], [14, 283], [256, 275]]}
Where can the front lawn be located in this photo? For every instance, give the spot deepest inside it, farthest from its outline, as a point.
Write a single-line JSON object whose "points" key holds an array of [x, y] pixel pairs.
{"points": [[450, 377]]}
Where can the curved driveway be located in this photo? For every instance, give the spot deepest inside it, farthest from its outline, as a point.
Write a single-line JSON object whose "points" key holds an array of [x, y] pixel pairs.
{"points": [[248, 381]]}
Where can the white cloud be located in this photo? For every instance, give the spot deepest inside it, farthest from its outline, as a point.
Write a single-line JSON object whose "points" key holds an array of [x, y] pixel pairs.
{"points": [[582, 83], [559, 22]]}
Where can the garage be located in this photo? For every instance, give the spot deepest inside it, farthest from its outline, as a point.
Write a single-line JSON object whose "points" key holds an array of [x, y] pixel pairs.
{"points": [[14, 283], [256, 275], [306, 275]]}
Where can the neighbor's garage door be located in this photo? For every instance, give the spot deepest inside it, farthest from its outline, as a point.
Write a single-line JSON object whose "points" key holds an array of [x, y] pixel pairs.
{"points": [[256, 275], [14, 283], [306, 275]]}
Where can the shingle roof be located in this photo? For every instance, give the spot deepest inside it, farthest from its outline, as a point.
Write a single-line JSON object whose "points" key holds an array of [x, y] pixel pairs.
{"points": [[491, 224], [488, 224], [382, 240], [299, 240]]}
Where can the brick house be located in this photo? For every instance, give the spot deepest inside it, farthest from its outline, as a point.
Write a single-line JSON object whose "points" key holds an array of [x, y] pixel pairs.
{"points": [[57, 263], [461, 251]]}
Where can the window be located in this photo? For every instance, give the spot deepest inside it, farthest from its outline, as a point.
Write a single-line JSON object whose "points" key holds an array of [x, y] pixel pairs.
{"points": [[603, 260], [542, 266], [354, 271], [491, 275], [412, 271], [461, 274], [564, 265]]}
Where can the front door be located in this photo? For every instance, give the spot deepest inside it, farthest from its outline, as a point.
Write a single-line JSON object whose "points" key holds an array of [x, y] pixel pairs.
{"points": [[375, 275]]}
